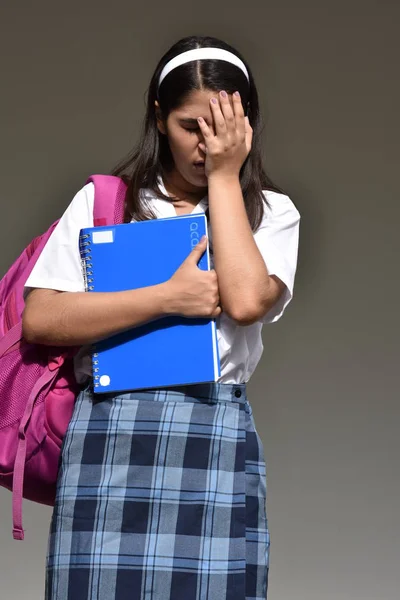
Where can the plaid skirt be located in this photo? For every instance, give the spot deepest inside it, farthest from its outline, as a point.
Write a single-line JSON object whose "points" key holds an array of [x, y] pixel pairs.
{"points": [[161, 495]]}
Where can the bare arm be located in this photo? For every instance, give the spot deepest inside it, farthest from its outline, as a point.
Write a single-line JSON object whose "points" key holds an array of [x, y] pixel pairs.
{"points": [[247, 290], [58, 318], [76, 318]]}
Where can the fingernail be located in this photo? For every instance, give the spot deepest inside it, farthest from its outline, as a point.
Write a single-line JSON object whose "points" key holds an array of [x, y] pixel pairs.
{"points": [[224, 94], [237, 94], [214, 100]]}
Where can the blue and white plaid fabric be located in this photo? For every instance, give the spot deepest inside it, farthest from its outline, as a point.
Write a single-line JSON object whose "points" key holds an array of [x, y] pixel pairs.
{"points": [[161, 495]]}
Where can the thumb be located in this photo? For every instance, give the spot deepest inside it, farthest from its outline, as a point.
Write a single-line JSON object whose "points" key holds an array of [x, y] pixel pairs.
{"points": [[198, 250]]}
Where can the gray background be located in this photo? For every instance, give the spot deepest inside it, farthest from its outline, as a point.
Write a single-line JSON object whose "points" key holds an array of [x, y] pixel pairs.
{"points": [[325, 394]]}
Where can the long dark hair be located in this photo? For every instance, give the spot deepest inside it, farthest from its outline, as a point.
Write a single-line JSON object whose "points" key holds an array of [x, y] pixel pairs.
{"points": [[152, 156]]}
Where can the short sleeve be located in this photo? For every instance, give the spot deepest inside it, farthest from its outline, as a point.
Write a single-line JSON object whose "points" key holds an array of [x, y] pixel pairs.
{"points": [[277, 239], [59, 264]]}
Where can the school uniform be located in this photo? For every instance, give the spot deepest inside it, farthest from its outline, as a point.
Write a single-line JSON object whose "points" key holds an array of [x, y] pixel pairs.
{"points": [[161, 494]]}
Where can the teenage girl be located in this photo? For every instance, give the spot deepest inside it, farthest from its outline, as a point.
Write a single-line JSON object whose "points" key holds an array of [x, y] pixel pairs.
{"points": [[161, 493]]}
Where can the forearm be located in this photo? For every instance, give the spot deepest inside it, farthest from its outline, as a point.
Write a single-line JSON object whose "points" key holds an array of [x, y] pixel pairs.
{"points": [[78, 318], [243, 278]]}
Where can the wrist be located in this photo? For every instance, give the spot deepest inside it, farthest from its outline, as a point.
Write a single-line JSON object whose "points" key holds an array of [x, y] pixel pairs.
{"points": [[165, 299], [223, 178]]}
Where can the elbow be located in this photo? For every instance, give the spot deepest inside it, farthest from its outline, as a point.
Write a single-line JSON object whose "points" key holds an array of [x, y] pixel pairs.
{"points": [[37, 316], [31, 331], [247, 315]]}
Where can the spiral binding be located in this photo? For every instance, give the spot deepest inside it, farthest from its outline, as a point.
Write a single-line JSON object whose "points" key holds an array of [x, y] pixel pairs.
{"points": [[87, 265]]}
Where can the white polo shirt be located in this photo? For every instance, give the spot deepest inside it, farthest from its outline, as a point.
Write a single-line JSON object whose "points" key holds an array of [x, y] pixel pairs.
{"points": [[240, 347]]}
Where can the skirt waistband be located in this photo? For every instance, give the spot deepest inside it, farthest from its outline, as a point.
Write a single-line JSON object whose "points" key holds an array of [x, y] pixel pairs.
{"points": [[213, 392]]}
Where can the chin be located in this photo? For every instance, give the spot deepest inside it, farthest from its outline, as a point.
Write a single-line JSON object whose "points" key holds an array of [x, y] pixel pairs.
{"points": [[200, 177], [200, 181]]}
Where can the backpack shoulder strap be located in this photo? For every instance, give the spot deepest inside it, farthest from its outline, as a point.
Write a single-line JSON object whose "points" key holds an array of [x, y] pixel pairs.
{"points": [[109, 199]]}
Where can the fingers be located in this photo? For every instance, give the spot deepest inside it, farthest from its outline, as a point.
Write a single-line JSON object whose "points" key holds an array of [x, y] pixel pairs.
{"points": [[205, 130], [248, 134], [228, 115], [226, 111], [239, 112], [203, 147], [198, 250], [217, 312], [220, 123]]}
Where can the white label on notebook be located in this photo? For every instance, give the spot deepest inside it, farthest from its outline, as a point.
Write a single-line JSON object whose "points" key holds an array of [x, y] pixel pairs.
{"points": [[105, 380], [103, 237]]}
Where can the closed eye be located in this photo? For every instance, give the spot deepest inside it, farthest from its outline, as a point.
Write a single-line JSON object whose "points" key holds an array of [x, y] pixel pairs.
{"points": [[192, 130]]}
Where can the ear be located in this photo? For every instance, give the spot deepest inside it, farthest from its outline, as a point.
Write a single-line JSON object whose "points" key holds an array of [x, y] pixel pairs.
{"points": [[160, 121]]}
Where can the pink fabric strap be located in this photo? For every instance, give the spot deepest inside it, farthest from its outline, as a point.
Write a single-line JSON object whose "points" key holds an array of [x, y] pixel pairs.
{"points": [[109, 199], [19, 466], [11, 337]]}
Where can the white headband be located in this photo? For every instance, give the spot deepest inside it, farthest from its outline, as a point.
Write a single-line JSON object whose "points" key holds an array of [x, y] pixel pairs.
{"points": [[199, 54]]}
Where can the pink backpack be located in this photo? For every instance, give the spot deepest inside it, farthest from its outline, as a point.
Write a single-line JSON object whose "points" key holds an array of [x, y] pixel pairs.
{"points": [[37, 383]]}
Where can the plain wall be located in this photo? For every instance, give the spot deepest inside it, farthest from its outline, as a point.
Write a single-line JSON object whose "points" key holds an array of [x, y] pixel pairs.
{"points": [[325, 394]]}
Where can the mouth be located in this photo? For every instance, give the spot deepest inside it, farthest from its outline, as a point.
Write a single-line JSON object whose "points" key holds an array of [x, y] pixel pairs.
{"points": [[199, 165]]}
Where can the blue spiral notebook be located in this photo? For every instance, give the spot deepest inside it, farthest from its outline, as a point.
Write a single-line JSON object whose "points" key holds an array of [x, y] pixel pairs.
{"points": [[169, 351]]}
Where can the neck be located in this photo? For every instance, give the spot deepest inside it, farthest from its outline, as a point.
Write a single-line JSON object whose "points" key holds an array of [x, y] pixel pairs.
{"points": [[180, 190]]}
